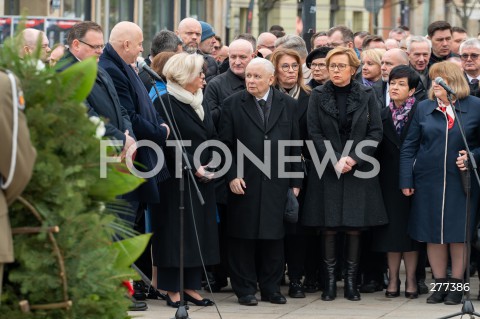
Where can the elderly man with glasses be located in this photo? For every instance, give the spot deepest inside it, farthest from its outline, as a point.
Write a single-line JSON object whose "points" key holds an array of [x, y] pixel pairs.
{"points": [[469, 53]]}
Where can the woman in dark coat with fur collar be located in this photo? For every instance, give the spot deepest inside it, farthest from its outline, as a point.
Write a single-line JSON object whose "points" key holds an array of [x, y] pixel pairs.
{"points": [[345, 126]]}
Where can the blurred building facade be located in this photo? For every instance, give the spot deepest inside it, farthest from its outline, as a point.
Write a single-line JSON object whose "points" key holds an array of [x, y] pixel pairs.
{"points": [[232, 17]]}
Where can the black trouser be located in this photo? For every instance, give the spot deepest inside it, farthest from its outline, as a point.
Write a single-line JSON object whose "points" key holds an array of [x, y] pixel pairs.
{"points": [[221, 271], [243, 270], [422, 262], [372, 264], [295, 251]]}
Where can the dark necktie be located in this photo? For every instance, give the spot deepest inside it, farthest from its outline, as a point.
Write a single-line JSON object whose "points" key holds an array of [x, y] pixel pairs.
{"points": [[263, 106], [474, 81]]}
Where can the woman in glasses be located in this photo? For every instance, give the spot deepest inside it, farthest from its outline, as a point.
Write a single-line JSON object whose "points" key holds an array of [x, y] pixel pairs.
{"points": [[316, 62], [371, 62], [345, 126], [431, 164], [289, 80]]}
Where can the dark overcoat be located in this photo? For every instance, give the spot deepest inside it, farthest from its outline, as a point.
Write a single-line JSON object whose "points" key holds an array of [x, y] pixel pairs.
{"points": [[393, 237], [427, 164], [166, 225], [345, 201], [146, 122], [258, 214]]}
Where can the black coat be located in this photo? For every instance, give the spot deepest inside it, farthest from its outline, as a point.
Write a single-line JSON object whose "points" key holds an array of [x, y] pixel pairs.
{"points": [[380, 89], [145, 120], [394, 236], [218, 89], [103, 101], [345, 201], [258, 214], [166, 230]]}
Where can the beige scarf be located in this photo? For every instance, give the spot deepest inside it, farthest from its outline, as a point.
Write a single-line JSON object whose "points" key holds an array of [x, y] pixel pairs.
{"points": [[184, 96]]}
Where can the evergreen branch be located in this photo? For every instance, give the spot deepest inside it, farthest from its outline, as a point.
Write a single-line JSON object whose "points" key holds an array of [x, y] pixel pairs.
{"points": [[30, 207]]}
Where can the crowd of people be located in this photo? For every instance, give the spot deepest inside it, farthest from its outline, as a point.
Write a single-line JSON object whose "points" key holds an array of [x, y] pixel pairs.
{"points": [[355, 99]]}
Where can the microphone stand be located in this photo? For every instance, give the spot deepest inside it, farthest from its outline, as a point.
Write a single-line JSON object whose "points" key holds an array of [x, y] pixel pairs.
{"points": [[467, 307], [182, 309]]}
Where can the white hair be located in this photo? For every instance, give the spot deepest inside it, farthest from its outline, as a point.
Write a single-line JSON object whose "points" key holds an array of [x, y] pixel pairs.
{"points": [[266, 64], [470, 43], [418, 39]]}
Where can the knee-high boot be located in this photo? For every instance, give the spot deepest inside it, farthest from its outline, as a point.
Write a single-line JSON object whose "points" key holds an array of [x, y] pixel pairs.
{"points": [[353, 256], [329, 262]]}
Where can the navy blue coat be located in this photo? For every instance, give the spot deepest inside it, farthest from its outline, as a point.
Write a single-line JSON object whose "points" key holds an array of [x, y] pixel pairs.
{"points": [[427, 164], [146, 122]]}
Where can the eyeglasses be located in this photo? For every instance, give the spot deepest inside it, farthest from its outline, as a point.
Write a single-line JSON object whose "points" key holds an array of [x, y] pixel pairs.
{"points": [[321, 66], [95, 47], [472, 56], [339, 66], [286, 67]]}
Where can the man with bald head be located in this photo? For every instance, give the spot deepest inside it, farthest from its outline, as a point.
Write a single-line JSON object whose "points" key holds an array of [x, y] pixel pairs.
{"points": [[123, 48], [391, 59], [190, 31], [266, 40], [31, 38]]}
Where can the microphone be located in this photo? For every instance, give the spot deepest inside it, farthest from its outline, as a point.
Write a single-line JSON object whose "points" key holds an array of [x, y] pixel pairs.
{"points": [[143, 65], [444, 85]]}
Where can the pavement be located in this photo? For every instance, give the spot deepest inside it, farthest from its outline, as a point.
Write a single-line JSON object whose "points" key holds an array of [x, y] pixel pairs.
{"points": [[374, 305]]}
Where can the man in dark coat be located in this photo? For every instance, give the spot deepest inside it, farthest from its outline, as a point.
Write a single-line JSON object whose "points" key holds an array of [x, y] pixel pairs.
{"points": [[125, 44], [163, 41], [85, 39], [391, 59], [440, 33], [220, 88], [258, 116], [470, 53]]}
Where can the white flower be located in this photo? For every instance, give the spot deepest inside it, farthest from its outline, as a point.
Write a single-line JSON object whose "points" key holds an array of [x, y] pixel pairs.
{"points": [[100, 132]]}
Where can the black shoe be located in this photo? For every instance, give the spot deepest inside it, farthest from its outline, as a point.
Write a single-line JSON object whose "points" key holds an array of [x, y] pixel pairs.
{"points": [[175, 304], [312, 286], [204, 302], [276, 298], [422, 287], [371, 287], [454, 296], [436, 297], [248, 300], [139, 291], [138, 306], [155, 294], [295, 289], [394, 294], [216, 286]]}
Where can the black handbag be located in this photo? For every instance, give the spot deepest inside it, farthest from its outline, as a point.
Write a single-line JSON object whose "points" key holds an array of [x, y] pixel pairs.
{"points": [[291, 208]]}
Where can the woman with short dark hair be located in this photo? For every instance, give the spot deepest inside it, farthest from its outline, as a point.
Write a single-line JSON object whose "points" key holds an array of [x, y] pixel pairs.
{"points": [[393, 238]]}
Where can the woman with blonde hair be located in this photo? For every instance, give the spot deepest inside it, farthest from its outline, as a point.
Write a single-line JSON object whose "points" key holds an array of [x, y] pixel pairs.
{"points": [[371, 62], [185, 79], [431, 158], [343, 115]]}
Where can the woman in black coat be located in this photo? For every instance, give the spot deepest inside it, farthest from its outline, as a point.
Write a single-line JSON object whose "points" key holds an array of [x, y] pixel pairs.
{"points": [[185, 80], [431, 158], [393, 238], [289, 80], [345, 126]]}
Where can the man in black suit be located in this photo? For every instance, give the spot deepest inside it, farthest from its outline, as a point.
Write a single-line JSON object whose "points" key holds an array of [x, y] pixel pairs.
{"points": [[85, 39], [258, 116], [469, 54]]}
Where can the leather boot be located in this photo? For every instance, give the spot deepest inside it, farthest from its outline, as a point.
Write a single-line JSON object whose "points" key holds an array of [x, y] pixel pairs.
{"points": [[353, 257], [440, 291], [455, 294], [330, 261]]}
